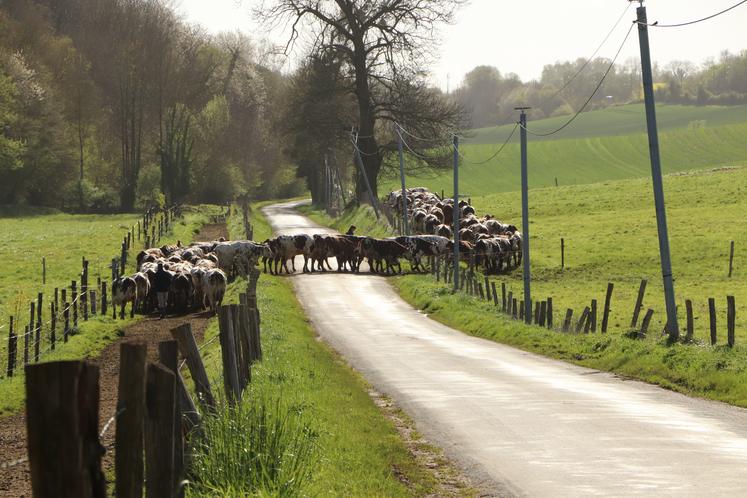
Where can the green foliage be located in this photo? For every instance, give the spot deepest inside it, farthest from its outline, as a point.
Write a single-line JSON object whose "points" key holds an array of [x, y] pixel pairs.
{"points": [[257, 445]]}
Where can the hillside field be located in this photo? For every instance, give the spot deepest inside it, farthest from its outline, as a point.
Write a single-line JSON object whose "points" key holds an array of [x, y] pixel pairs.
{"points": [[599, 146]]}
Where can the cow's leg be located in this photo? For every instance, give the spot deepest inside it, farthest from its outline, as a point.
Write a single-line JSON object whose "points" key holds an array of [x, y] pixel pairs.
{"points": [[122, 310], [132, 308], [114, 310]]}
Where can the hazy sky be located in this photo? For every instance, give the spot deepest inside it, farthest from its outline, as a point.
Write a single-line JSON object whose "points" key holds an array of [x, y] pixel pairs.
{"points": [[522, 36]]}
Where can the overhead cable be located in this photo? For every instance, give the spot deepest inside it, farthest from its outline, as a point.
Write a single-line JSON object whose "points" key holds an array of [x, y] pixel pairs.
{"points": [[599, 85], [688, 23]]}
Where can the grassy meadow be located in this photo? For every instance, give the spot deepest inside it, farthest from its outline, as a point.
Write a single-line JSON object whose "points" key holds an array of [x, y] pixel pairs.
{"points": [[333, 437], [601, 145], [63, 239]]}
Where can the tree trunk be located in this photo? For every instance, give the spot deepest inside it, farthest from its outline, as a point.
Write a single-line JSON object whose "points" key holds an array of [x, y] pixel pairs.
{"points": [[369, 148]]}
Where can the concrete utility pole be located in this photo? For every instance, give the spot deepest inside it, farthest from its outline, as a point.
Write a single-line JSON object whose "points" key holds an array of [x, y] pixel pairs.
{"points": [[405, 226], [457, 213], [653, 146], [525, 215]]}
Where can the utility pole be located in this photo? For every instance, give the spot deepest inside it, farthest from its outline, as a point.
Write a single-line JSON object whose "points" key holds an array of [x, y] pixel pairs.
{"points": [[457, 216], [405, 227], [374, 200], [525, 215], [653, 147]]}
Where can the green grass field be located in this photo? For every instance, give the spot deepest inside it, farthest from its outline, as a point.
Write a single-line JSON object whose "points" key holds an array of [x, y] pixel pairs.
{"points": [[357, 452], [63, 239], [599, 146]]}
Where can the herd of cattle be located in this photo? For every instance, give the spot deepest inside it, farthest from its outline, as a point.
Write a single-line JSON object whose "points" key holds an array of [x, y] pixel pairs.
{"points": [[200, 272], [491, 243]]}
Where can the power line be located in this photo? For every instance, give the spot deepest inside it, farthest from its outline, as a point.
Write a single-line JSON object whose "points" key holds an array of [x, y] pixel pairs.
{"points": [[688, 23], [599, 85], [496, 154], [588, 61]]}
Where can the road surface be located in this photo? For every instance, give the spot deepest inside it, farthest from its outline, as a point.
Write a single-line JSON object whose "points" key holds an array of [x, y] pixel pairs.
{"points": [[522, 424]]}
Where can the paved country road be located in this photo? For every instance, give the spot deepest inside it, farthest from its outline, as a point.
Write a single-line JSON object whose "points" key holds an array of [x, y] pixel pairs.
{"points": [[519, 423]]}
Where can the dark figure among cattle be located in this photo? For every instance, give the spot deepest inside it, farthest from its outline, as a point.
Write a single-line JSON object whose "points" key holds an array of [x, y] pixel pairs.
{"points": [[198, 273]]}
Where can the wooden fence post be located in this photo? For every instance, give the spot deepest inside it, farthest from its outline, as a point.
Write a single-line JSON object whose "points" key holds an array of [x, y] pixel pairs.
{"points": [[607, 301], [160, 403], [549, 313], [542, 313], [495, 294], [731, 258], [646, 322], [690, 320], [129, 439], [26, 345], [12, 349], [593, 315], [35, 335], [731, 313], [488, 293], [94, 302], [52, 326], [638, 304], [188, 349], [103, 298], [185, 411], [84, 289], [74, 302], [521, 310], [62, 416], [241, 336], [44, 269], [510, 302], [582, 321], [537, 312], [503, 296], [567, 321], [228, 351], [712, 314], [562, 254]]}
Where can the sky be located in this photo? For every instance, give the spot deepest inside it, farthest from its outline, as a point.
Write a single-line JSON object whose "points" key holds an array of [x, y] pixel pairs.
{"points": [[522, 36]]}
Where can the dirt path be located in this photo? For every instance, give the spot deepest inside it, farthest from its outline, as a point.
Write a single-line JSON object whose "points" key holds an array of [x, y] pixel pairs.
{"points": [[15, 481]]}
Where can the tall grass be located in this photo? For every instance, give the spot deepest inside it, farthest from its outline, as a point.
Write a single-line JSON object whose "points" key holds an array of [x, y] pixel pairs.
{"points": [[258, 448]]}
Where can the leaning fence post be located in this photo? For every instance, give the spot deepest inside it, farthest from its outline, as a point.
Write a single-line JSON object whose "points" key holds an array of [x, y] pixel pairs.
{"points": [[128, 459], [503, 296], [160, 402], [567, 321], [582, 321], [188, 348], [62, 415], [730, 320], [646, 321], [638, 303], [494, 293]]}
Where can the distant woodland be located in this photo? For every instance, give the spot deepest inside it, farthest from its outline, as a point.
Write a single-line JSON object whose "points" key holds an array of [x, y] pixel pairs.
{"points": [[109, 105]]}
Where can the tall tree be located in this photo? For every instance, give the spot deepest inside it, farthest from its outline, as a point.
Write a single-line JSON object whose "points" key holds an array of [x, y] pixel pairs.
{"points": [[384, 45]]}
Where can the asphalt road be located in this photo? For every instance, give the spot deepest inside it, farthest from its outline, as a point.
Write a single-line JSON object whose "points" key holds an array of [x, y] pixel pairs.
{"points": [[519, 423]]}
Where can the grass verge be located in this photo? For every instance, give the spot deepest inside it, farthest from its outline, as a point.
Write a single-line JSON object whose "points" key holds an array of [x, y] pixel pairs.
{"points": [[717, 373], [357, 452]]}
